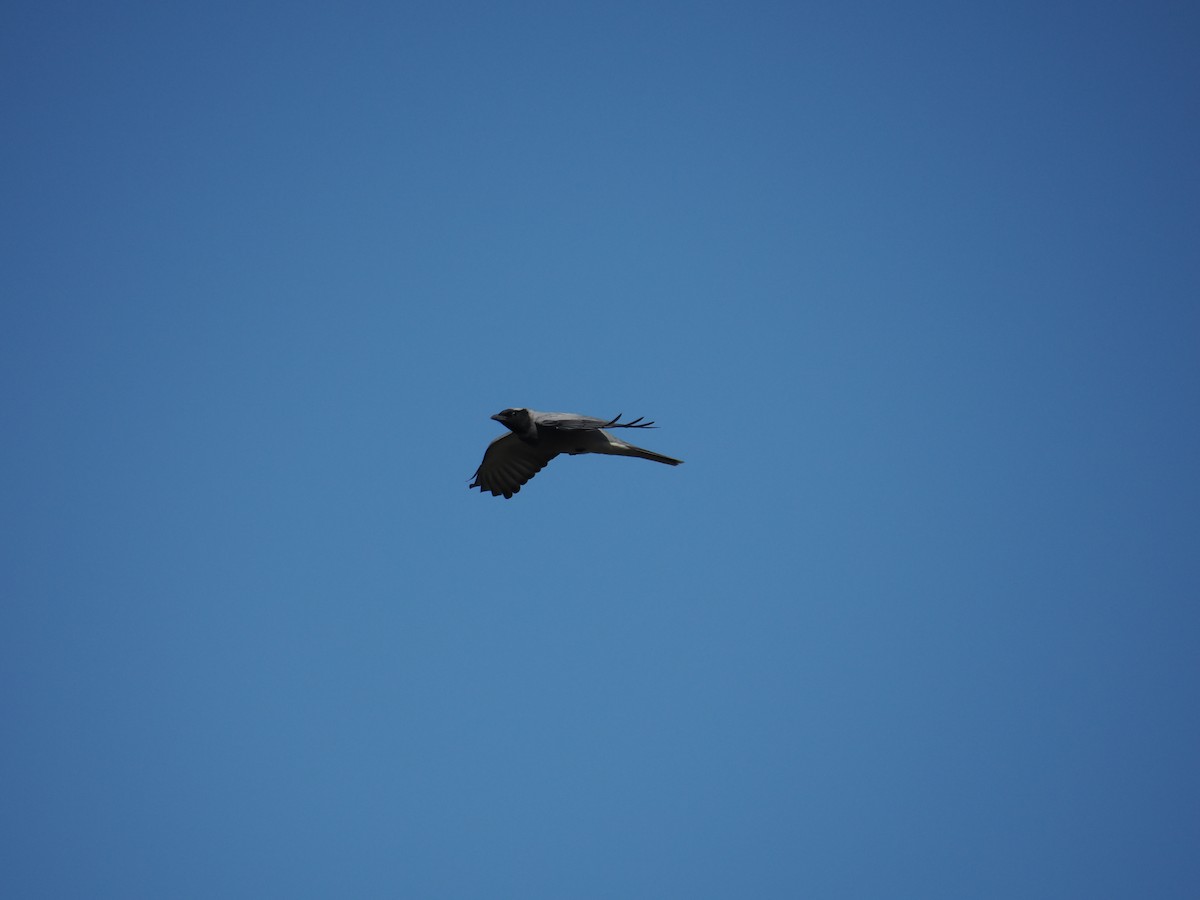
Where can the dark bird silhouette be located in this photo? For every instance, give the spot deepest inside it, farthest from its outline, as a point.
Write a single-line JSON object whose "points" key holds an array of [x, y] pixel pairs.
{"points": [[535, 438]]}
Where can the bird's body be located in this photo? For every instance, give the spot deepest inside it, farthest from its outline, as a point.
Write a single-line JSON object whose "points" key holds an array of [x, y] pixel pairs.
{"points": [[535, 438]]}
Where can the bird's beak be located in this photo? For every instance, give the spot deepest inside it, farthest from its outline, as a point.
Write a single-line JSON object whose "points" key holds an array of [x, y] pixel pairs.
{"points": [[497, 417]]}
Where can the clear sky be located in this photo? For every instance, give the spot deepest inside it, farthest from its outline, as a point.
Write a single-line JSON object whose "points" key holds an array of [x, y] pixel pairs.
{"points": [[914, 289]]}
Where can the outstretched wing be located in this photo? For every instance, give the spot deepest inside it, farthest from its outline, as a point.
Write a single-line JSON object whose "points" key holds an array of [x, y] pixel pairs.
{"points": [[575, 422], [507, 464]]}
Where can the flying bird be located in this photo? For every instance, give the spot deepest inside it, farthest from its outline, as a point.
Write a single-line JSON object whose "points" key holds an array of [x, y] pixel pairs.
{"points": [[535, 438]]}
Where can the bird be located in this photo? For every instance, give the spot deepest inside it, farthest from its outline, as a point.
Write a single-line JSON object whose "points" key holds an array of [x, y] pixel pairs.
{"points": [[534, 438]]}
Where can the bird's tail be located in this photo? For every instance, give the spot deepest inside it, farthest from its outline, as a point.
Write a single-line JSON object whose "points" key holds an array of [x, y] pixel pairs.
{"points": [[624, 449]]}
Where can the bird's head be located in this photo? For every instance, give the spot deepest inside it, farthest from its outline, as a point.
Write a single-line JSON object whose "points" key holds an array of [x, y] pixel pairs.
{"points": [[518, 420]]}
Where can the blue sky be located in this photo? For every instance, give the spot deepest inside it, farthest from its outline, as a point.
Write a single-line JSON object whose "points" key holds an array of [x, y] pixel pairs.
{"points": [[913, 289]]}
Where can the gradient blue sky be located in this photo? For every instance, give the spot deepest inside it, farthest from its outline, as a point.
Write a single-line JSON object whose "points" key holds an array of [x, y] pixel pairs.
{"points": [[914, 289]]}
